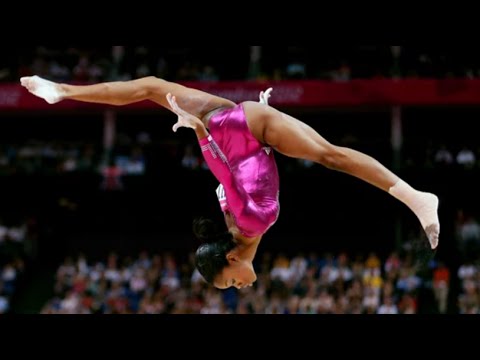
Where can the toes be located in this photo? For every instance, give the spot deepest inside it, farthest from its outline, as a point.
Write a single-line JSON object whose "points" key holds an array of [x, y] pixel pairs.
{"points": [[433, 232], [25, 80]]}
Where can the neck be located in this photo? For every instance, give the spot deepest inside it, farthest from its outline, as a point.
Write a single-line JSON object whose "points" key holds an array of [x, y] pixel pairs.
{"points": [[246, 247]]}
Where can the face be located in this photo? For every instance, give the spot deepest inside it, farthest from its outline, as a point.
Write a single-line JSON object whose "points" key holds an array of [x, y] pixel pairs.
{"points": [[239, 273]]}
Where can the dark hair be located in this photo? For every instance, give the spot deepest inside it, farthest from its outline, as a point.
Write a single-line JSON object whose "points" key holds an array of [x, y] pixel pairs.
{"points": [[211, 257]]}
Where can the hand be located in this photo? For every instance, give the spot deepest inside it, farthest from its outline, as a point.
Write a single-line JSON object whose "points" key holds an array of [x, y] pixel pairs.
{"points": [[185, 119], [264, 96], [47, 90]]}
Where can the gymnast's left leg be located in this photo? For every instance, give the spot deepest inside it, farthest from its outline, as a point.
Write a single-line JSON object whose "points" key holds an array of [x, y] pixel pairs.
{"points": [[294, 138]]}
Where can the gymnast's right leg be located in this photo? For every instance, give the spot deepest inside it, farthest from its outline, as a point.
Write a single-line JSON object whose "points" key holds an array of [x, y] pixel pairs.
{"points": [[294, 138]]}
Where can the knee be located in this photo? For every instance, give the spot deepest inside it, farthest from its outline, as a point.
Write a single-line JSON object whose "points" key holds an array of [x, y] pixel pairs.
{"points": [[334, 158]]}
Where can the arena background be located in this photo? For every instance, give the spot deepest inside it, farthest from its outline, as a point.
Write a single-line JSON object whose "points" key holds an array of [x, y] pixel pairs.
{"points": [[76, 238]]}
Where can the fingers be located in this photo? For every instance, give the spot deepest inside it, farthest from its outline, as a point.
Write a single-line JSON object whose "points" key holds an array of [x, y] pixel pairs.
{"points": [[172, 102], [268, 92], [176, 127], [265, 95]]}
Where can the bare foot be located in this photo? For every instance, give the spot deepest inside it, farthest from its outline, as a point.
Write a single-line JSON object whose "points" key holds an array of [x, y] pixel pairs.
{"points": [[45, 89]]}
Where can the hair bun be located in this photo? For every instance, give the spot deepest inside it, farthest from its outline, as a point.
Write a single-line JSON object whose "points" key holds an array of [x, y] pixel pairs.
{"points": [[204, 230]]}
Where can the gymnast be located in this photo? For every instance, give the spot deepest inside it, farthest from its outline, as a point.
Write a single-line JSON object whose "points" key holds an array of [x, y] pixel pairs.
{"points": [[237, 141]]}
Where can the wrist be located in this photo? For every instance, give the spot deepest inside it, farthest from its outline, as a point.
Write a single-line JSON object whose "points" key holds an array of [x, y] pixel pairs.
{"points": [[201, 131]]}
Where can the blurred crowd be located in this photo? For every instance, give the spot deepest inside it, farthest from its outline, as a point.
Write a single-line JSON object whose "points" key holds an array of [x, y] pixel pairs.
{"points": [[131, 156], [469, 298], [49, 158], [301, 284], [16, 245], [93, 64]]}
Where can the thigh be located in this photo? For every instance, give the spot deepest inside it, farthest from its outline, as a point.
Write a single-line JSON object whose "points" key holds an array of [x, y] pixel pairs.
{"points": [[288, 135], [196, 102]]}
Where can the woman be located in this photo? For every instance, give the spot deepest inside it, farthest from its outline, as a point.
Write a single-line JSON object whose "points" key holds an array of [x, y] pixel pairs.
{"points": [[236, 141]]}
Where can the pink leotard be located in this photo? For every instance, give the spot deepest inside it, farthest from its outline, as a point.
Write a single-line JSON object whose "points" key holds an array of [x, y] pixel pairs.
{"points": [[246, 170]]}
